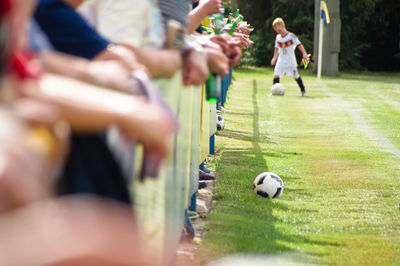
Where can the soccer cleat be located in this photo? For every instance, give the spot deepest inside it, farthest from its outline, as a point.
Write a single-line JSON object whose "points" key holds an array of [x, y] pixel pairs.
{"points": [[303, 94]]}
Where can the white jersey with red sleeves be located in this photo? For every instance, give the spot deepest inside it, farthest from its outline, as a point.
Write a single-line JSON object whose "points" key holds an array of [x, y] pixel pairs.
{"points": [[286, 46]]}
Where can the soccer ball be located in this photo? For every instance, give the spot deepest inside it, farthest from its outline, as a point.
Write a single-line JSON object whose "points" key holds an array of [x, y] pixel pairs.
{"points": [[278, 89], [220, 122], [268, 185]]}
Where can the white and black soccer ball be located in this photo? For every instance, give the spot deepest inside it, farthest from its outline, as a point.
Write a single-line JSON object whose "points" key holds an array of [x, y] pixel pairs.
{"points": [[220, 122], [278, 89], [268, 185]]}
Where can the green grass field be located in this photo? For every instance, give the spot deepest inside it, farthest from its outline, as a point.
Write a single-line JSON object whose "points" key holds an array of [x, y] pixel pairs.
{"points": [[338, 152]]}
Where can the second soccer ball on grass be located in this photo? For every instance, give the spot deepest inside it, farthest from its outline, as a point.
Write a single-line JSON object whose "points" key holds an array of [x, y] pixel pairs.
{"points": [[220, 122]]}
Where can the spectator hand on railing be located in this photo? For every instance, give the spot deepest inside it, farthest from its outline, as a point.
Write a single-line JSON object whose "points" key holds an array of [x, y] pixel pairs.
{"points": [[195, 69], [218, 63], [230, 48]]}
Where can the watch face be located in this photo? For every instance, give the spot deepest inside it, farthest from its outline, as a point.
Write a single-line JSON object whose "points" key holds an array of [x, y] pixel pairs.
{"points": [[179, 40], [175, 37]]}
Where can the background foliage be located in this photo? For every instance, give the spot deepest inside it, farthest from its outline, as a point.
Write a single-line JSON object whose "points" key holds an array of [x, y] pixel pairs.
{"points": [[370, 37]]}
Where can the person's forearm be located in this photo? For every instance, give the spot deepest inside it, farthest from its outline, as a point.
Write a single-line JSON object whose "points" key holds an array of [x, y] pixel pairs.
{"points": [[74, 230], [195, 18], [302, 50], [160, 63], [87, 108], [275, 54], [74, 3], [110, 74], [55, 63]]}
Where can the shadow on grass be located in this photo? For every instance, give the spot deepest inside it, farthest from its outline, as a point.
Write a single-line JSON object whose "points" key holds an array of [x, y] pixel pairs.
{"points": [[239, 113], [248, 153], [238, 135], [242, 222]]}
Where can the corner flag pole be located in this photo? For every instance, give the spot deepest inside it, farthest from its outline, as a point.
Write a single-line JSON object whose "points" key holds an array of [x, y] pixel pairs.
{"points": [[320, 43], [323, 19]]}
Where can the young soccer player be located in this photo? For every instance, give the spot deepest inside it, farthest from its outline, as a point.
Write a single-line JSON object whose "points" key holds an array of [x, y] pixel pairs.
{"points": [[284, 58]]}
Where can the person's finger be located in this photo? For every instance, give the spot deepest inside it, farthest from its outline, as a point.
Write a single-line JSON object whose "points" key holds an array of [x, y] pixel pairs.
{"points": [[224, 45], [234, 42], [237, 54]]}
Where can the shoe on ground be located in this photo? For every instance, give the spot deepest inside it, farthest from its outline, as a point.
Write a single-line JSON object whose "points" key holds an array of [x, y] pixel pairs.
{"points": [[225, 110], [204, 176], [202, 184], [193, 215], [303, 94], [205, 169]]}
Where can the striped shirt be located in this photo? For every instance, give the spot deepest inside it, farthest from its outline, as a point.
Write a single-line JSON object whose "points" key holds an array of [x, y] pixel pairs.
{"points": [[133, 22], [175, 9]]}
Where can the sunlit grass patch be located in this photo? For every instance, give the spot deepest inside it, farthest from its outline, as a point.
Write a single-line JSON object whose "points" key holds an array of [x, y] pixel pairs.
{"points": [[341, 195]]}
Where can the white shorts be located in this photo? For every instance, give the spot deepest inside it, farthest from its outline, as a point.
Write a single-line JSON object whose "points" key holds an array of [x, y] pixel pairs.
{"points": [[289, 71]]}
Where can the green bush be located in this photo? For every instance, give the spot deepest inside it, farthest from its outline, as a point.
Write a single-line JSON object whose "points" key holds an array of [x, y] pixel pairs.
{"points": [[370, 36]]}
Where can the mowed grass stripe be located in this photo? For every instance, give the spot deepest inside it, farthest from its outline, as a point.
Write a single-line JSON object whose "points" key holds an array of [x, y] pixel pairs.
{"points": [[341, 187], [378, 101], [389, 113]]}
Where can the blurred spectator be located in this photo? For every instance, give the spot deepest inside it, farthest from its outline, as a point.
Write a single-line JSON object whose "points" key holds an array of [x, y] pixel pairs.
{"points": [[62, 231], [33, 139], [73, 231], [195, 67], [136, 29], [91, 167]]}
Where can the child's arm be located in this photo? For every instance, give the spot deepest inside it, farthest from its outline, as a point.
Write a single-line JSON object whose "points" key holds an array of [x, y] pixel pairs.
{"points": [[306, 57], [302, 50], [204, 9], [273, 60]]}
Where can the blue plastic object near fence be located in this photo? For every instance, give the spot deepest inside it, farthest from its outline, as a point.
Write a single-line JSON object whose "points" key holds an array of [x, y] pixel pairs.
{"points": [[225, 83], [212, 144], [224, 89]]}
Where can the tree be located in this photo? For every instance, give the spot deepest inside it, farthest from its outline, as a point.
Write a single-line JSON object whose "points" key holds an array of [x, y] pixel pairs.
{"points": [[298, 16], [370, 38]]}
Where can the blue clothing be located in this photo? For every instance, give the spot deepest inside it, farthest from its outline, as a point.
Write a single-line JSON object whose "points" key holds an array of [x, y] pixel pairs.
{"points": [[38, 41], [225, 83], [90, 167], [67, 30]]}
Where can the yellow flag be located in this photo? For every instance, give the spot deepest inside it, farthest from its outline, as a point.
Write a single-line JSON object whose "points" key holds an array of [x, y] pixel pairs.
{"points": [[325, 13]]}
